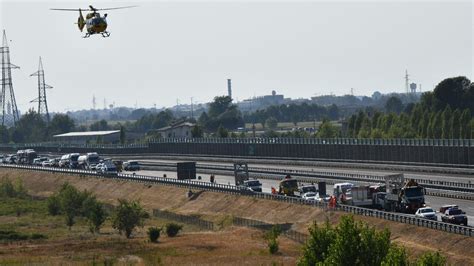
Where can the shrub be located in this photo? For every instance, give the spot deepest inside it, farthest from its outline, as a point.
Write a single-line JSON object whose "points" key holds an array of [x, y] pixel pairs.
{"points": [[272, 239], [53, 204], [154, 234], [95, 213], [431, 259], [127, 216], [273, 246], [173, 229]]}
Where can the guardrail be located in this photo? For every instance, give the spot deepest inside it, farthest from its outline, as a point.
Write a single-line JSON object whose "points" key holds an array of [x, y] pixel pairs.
{"points": [[397, 217], [432, 184]]}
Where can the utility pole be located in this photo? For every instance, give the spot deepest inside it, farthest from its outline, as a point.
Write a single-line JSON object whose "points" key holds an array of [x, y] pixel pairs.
{"points": [[192, 108], [42, 86], [407, 80], [9, 109]]}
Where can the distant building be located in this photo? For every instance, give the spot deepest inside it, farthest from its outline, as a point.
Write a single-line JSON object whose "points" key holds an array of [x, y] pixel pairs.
{"points": [[263, 101], [110, 136], [178, 130]]}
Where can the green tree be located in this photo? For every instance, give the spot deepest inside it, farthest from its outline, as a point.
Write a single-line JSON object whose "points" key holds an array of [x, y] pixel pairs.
{"points": [[326, 130], [127, 216], [365, 129], [394, 104], [196, 131], [61, 123], [272, 239], [95, 213], [436, 125], [464, 124], [220, 105], [431, 259], [351, 125], [349, 243], [396, 256], [447, 123], [454, 92], [222, 132], [99, 125], [123, 138], [271, 123], [4, 134], [456, 124], [317, 247], [54, 205], [71, 201]]}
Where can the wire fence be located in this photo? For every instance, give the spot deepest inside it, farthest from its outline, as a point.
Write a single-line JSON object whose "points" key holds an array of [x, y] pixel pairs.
{"points": [[233, 221]]}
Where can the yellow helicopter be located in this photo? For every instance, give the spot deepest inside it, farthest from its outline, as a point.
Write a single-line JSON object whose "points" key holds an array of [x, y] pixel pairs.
{"points": [[94, 23]]}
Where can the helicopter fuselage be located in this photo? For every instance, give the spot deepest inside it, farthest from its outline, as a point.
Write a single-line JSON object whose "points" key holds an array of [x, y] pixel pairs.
{"points": [[95, 23]]}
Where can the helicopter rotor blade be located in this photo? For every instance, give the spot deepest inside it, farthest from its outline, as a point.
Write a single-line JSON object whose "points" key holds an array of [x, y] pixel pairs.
{"points": [[112, 8], [91, 8], [68, 9]]}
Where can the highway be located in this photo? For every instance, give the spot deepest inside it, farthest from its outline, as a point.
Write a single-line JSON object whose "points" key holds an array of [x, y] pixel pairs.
{"points": [[434, 202], [463, 178]]}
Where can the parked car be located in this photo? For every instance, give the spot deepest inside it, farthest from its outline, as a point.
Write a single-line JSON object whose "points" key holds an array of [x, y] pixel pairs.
{"points": [[55, 162], [39, 161], [47, 163], [426, 213], [323, 198], [69, 160], [454, 216], [310, 196], [253, 185], [131, 166], [107, 168], [444, 208], [10, 159]]}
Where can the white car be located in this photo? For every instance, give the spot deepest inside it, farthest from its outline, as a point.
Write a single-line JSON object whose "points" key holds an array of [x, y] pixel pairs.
{"points": [[107, 168], [310, 196], [324, 198], [47, 163], [426, 213]]}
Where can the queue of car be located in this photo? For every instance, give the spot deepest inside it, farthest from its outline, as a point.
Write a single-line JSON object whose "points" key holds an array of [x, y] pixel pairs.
{"points": [[89, 161]]}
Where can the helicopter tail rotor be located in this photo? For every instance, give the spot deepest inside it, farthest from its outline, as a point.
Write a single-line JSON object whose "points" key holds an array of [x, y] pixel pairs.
{"points": [[80, 21]]}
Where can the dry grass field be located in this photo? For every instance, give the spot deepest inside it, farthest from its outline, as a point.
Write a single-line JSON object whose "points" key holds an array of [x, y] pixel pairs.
{"points": [[227, 246]]}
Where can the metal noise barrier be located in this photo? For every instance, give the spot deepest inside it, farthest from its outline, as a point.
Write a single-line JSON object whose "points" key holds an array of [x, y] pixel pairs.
{"points": [[397, 217]]}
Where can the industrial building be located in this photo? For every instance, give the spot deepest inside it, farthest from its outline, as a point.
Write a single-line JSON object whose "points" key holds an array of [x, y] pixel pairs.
{"points": [[110, 136], [178, 130]]}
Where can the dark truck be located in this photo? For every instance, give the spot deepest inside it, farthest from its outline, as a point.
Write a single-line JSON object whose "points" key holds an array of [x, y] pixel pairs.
{"points": [[400, 196], [454, 216]]}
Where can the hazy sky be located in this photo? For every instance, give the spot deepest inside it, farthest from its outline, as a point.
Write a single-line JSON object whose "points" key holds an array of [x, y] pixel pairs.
{"points": [[163, 51]]}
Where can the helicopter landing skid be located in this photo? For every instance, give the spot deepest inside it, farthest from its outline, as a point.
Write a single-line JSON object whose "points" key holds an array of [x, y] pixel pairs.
{"points": [[105, 34]]}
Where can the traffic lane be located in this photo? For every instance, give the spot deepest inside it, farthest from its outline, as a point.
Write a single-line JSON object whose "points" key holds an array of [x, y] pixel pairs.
{"points": [[434, 176], [267, 184], [465, 205]]}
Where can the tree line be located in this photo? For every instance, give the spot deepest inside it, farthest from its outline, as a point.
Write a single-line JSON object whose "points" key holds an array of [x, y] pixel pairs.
{"points": [[445, 113]]}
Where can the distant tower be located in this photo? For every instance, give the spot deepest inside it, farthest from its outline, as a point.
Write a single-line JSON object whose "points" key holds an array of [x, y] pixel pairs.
{"points": [[94, 103], [229, 88], [413, 88], [8, 107], [42, 86], [407, 81]]}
